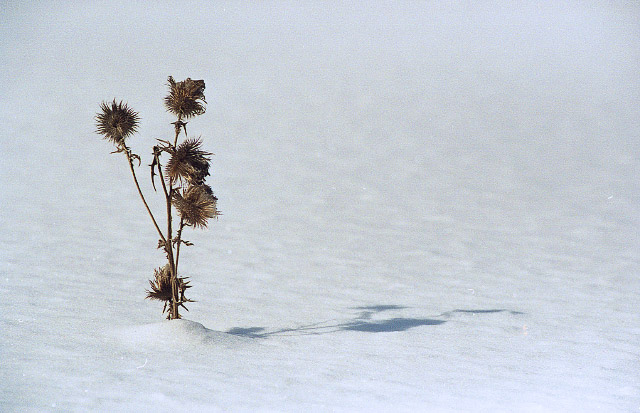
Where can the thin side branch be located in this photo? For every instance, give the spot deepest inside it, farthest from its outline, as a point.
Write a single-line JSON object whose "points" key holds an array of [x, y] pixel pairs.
{"points": [[127, 151]]}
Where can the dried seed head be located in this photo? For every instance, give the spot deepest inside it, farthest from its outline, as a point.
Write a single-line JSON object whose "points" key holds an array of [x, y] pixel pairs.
{"points": [[196, 205], [186, 98], [160, 285], [116, 121], [188, 162]]}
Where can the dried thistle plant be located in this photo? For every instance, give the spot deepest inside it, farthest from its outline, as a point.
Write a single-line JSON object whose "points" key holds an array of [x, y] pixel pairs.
{"points": [[183, 181]]}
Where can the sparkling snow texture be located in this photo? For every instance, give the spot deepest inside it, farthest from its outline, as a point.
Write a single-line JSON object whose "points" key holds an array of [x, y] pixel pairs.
{"points": [[428, 206]]}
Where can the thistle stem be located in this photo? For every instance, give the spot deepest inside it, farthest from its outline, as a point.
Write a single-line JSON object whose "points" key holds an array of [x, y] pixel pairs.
{"points": [[172, 267], [168, 193], [127, 151], [173, 263]]}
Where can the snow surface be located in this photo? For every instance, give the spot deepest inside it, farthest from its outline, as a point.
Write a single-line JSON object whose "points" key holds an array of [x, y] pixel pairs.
{"points": [[428, 206]]}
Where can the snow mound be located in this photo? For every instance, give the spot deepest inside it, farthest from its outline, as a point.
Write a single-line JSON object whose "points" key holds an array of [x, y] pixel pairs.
{"points": [[176, 334]]}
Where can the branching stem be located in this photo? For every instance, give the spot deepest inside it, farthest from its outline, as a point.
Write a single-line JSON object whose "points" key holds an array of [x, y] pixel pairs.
{"points": [[173, 262], [173, 270]]}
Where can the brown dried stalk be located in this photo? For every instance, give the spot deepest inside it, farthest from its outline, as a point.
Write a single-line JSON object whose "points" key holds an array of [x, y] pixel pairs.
{"points": [[183, 186]]}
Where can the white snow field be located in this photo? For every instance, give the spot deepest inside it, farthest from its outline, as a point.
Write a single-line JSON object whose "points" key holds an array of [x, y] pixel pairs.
{"points": [[428, 206]]}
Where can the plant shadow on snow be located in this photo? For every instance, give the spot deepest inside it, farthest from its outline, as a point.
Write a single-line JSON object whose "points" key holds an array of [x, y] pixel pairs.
{"points": [[363, 322]]}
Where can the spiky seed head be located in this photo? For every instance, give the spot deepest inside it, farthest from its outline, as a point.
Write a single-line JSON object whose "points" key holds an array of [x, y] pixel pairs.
{"points": [[186, 98], [196, 205], [160, 285], [116, 121], [189, 162]]}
